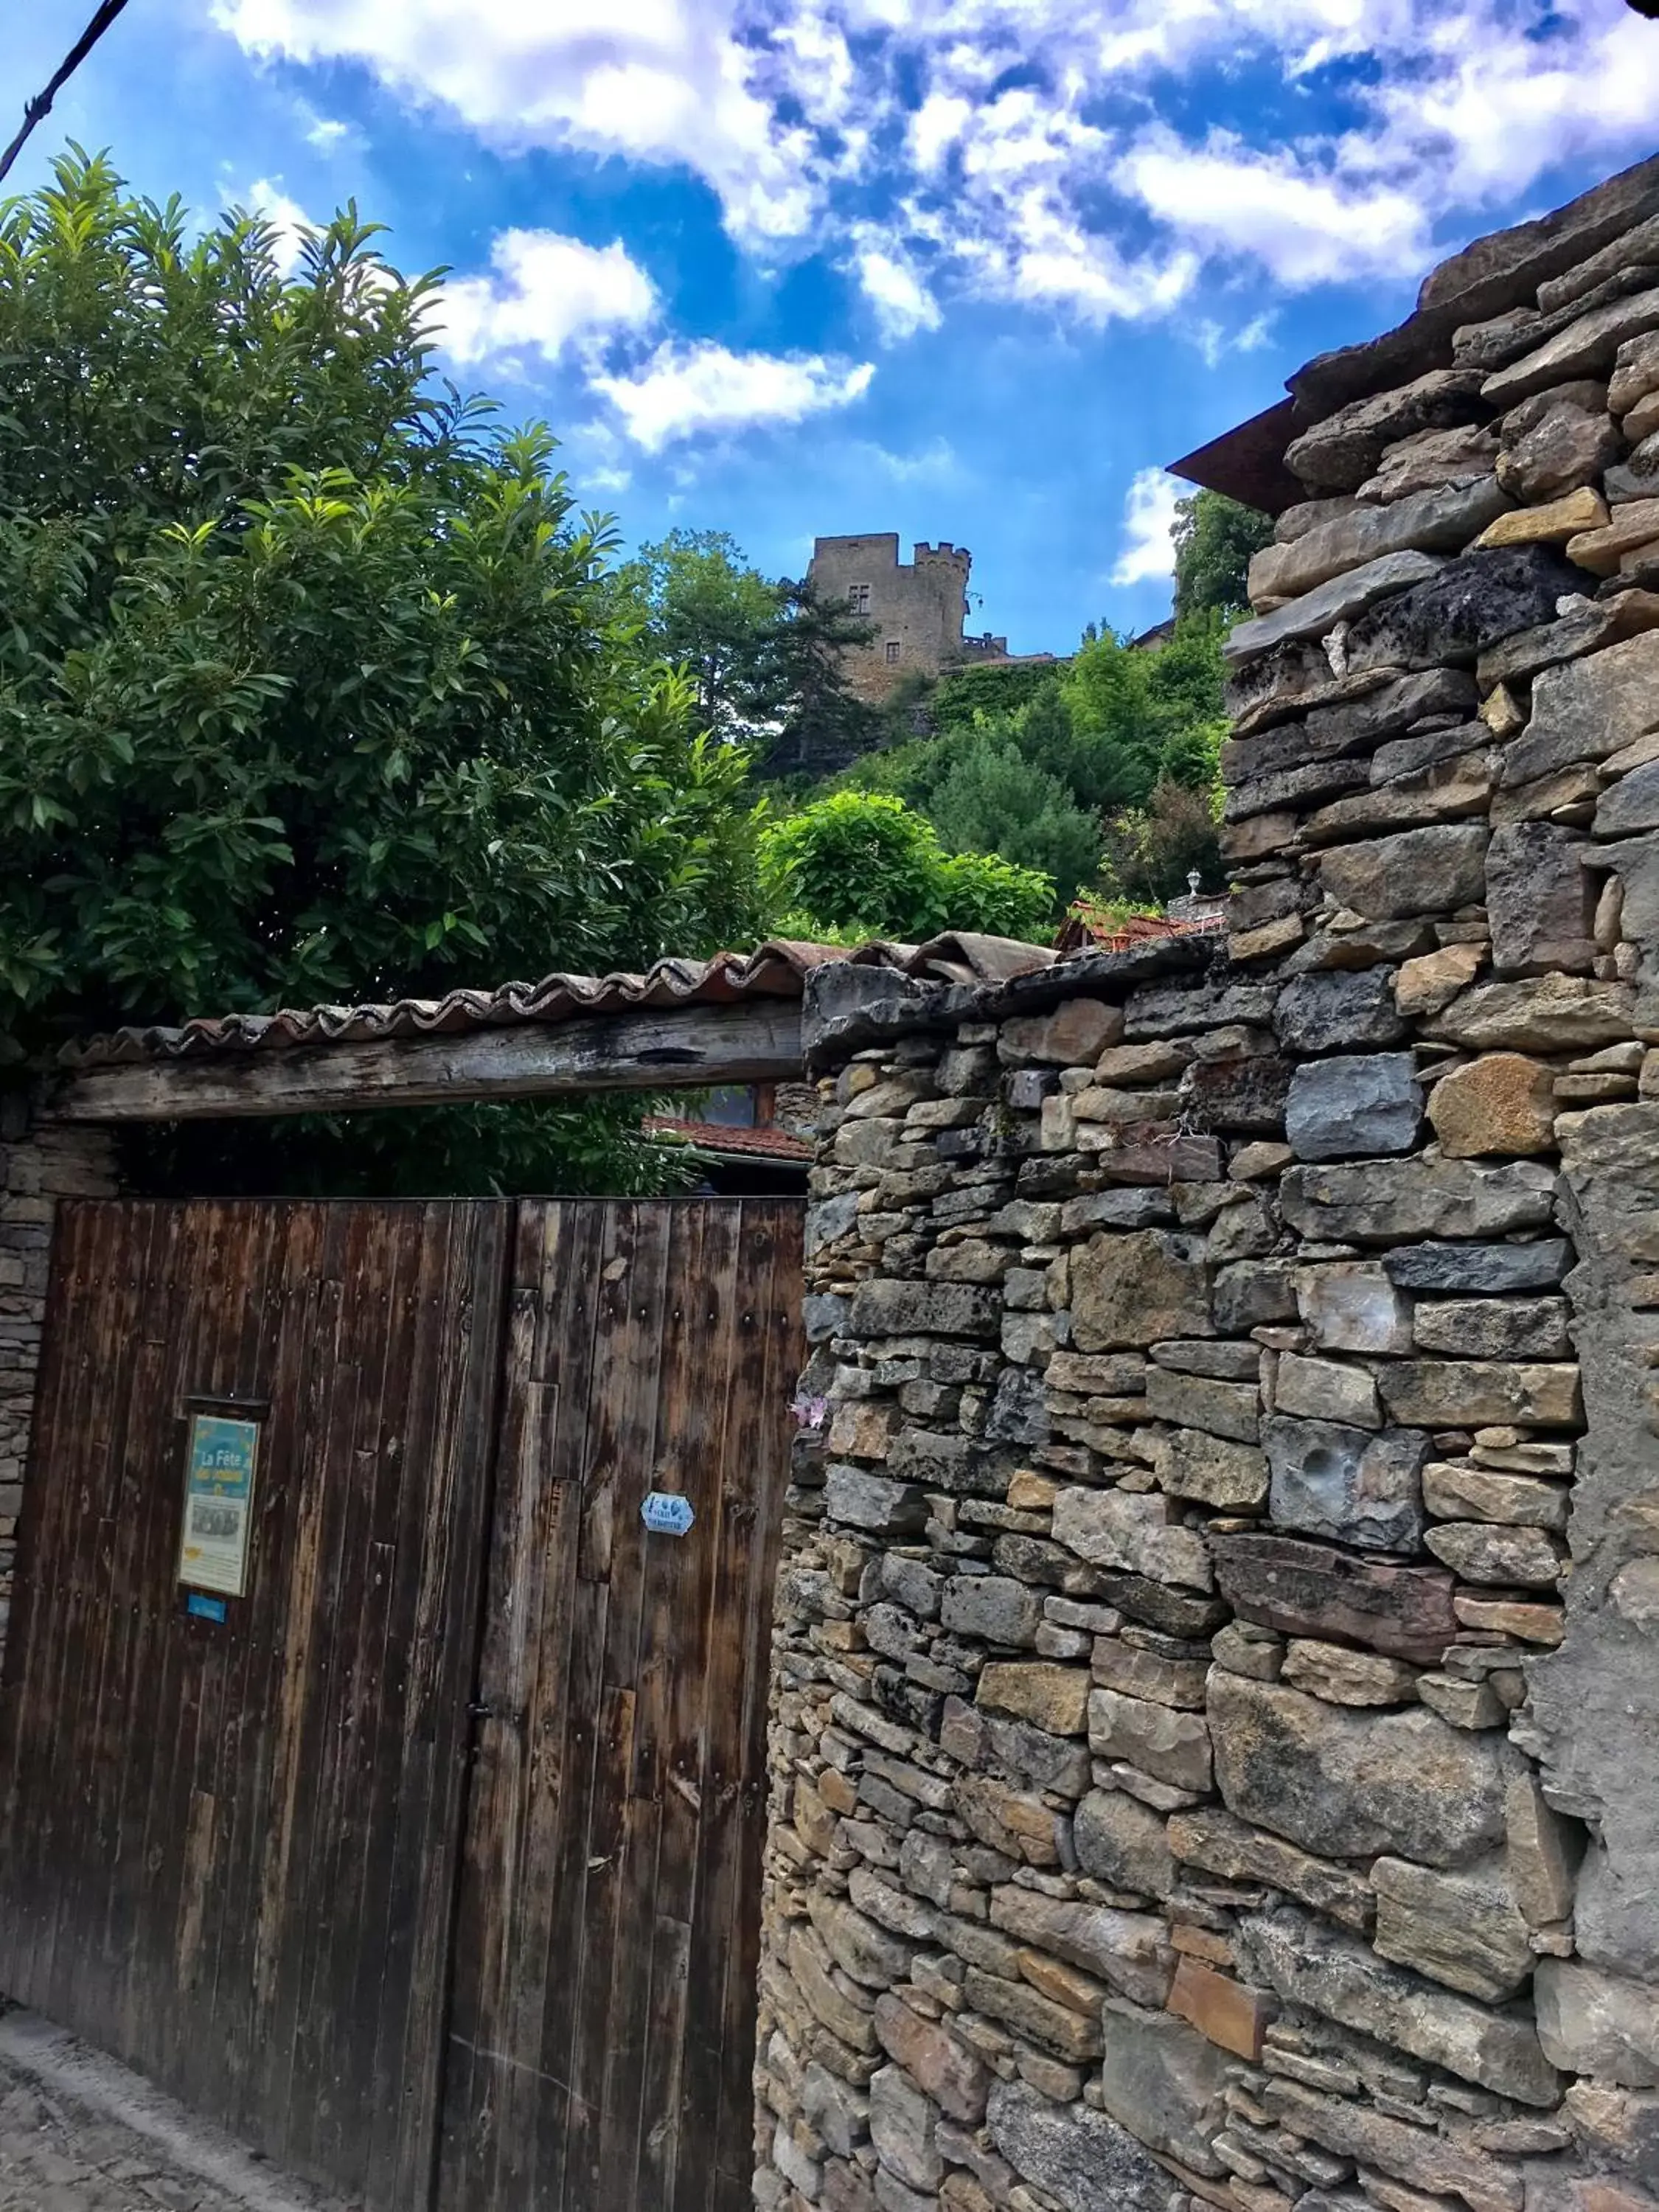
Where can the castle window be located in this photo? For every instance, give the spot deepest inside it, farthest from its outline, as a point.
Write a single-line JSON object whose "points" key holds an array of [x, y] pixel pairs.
{"points": [[892, 651], [858, 598]]}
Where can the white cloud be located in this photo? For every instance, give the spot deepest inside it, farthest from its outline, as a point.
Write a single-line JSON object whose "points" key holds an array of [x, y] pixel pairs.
{"points": [[1034, 152], [286, 217], [545, 293], [1149, 516], [688, 390], [894, 287]]}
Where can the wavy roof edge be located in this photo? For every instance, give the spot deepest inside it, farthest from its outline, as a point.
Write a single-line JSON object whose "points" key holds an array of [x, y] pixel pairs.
{"points": [[776, 969]]}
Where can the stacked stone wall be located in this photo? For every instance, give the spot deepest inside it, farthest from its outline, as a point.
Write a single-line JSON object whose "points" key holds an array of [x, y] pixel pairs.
{"points": [[38, 1167], [1216, 1705]]}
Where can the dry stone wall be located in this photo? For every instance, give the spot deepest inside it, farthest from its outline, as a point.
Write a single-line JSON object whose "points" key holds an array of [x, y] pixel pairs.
{"points": [[38, 1167], [1216, 1698]]}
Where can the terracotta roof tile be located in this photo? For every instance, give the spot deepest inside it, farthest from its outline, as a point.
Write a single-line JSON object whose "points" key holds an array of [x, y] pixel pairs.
{"points": [[777, 969]]}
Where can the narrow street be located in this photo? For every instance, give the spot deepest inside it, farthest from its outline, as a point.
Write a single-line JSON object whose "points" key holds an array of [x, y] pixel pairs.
{"points": [[80, 2134]]}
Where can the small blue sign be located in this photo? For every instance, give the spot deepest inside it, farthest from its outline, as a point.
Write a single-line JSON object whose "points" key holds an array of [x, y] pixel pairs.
{"points": [[205, 1608], [668, 1514]]}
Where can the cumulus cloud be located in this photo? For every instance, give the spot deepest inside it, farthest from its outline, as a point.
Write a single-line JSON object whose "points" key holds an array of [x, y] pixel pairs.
{"points": [[545, 293], [686, 391], [286, 217], [1147, 549], [1037, 152]]}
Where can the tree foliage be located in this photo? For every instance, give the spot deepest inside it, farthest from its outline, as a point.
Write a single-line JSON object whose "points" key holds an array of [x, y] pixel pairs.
{"points": [[1214, 538], [312, 685], [860, 864], [763, 654], [987, 689]]}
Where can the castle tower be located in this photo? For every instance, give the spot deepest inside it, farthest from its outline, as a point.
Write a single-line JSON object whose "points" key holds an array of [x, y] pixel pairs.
{"points": [[918, 607]]}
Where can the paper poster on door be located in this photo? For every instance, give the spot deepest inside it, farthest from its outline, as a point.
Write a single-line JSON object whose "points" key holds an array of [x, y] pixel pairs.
{"points": [[218, 1502]]}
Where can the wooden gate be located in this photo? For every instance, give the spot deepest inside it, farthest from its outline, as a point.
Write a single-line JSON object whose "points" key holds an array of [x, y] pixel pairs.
{"points": [[231, 1850]]}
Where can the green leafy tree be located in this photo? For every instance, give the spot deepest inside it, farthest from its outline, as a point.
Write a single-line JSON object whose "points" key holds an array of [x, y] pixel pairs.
{"points": [[311, 687], [994, 797], [763, 654], [1214, 538], [962, 696], [861, 864]]}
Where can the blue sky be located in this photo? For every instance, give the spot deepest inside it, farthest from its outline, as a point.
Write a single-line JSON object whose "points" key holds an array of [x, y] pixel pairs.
{"points": [[962, 268]]}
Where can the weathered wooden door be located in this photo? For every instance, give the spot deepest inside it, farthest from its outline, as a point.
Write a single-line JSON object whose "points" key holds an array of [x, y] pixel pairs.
{"points": [[227, 1848], [602, 2035], [231, 1850]]}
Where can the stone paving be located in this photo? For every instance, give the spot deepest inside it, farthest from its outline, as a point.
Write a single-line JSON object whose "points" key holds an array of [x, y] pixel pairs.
{"points": [[77, 2134]]}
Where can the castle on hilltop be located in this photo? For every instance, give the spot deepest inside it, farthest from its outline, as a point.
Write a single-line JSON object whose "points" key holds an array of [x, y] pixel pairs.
{"points": [[919, 609]]}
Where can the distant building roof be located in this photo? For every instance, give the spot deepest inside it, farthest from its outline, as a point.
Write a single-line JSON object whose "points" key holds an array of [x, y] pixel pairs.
{"points": [[768, 1143]]}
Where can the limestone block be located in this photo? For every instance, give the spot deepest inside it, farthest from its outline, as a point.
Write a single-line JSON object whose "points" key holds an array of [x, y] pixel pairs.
{"points": [[1455, 1493], [1587, 347], [882, 1307], [1551, 523], [1339, 452], [1470, 606], [1353, 1103], [1124, 1844], [1137, 1289], [1495, 1328], [1309, 1589], [1170, 1745], [1165, 2084], [1430, 870], [1351, 1305], [1139, 1673], [1539, 899], [1616, 1916], [1441, 519], [1562, 447], [1050, 1697], [1462, 454], [1445, 1394], [1632, 804], [1083, 2158], [1332, 1975], [1479, 1270], [1587, 709], [1207, 1403], [1129, 1950], [1501, 1102], [1594, 2022], [1190, 1464], [1075, 1033], [1415, 2155], [1331, 1388], [861, 1499], [1387, 1201], [1506, 1556], [954, 2078], [1058, 2028], [1349, 1784], [1462, 1930], [1314, 613], [1330, 1011], [901, 2125], [1133, 1530], [995, 1606], [1216, 1841], [1345, 1677], [1635, 372], [1331, 1479]]}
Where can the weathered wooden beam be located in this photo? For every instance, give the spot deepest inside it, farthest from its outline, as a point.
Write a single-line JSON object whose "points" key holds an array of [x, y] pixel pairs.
{"points": [[654, 1048]]}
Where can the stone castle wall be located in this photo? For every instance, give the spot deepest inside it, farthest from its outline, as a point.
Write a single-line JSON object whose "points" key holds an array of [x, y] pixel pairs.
{"points": [[1216, 1698], [920, 605]]}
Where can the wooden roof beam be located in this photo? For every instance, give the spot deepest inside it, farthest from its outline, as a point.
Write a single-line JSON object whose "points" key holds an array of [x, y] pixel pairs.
{"points": [[656, 1049]]}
